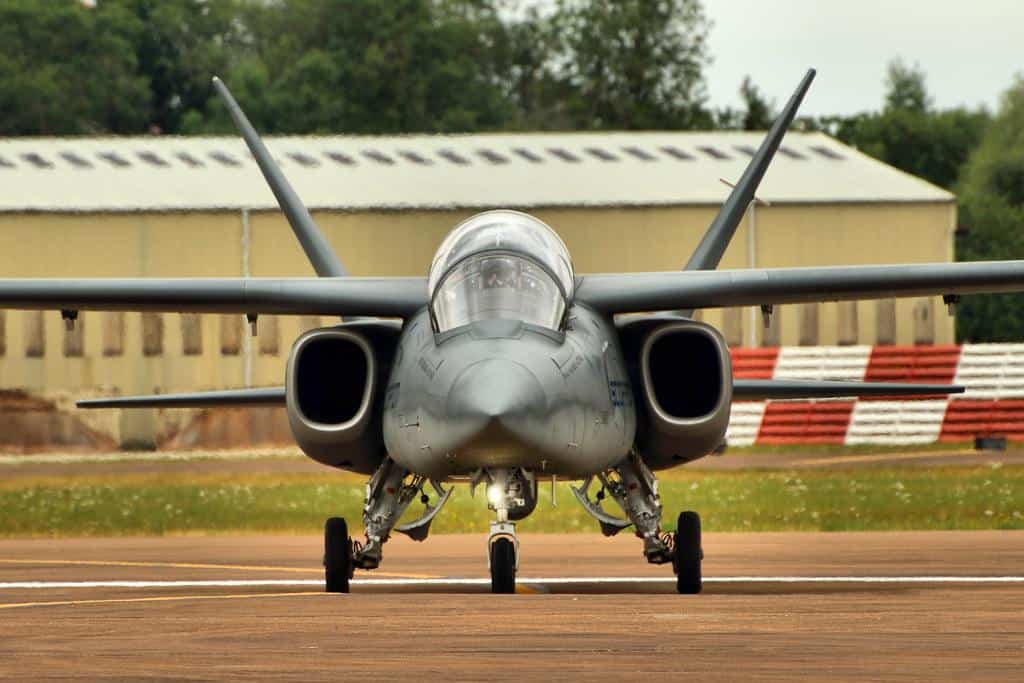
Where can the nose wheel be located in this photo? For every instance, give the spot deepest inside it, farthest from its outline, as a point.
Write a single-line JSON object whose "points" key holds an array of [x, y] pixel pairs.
{"points": [[503, 565], [688, 554], [338, 567]]}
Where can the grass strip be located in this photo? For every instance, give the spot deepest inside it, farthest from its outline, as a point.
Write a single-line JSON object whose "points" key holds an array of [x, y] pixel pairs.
{"points": [[847, 500]]}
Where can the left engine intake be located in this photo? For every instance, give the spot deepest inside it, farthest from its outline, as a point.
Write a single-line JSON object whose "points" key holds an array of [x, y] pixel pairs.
{"points": [[333, 393], [685, 375]]}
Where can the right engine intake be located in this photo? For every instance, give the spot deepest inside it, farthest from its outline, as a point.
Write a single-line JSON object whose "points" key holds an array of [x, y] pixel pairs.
{"points": [[686, 379], [332, 391]]}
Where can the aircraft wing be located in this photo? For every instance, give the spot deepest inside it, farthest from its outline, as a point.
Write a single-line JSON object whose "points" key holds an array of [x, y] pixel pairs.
{"points": [[761, 389], [342, 296], [644, 292], [268, 396]]}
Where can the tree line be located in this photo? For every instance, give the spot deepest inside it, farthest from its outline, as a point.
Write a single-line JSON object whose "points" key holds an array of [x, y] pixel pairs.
{"points": [[440, 66]]}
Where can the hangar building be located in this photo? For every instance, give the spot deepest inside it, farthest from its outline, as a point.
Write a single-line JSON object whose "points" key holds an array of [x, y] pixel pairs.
{"points": [[198, 207]]}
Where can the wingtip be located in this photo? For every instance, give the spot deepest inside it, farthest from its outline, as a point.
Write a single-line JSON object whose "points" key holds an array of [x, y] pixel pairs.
{"points": [[216, 79]]}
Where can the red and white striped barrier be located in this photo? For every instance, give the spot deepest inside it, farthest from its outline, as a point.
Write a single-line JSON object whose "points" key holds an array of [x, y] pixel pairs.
{"points": [[993, 404]]}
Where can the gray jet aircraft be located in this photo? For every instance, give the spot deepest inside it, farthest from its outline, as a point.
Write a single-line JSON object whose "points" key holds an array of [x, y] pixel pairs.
{"points": [[504, 368]]}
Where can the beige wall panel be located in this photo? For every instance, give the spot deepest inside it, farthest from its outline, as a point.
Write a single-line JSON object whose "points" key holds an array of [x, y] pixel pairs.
{"points": [[74, 338], [885, 321], [403, 243], [809, 329], [113, 333]]}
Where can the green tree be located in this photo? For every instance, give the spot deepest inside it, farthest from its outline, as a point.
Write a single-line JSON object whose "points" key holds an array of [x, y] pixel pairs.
{"points": [[632, 64], [908, 134], [70, 70], [906, 89], [992, 219], [183, 43], [759, 114], [371, 66]]}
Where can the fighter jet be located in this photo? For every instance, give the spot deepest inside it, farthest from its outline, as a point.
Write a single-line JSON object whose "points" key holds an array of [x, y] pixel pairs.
{"points": [[503, 368]]}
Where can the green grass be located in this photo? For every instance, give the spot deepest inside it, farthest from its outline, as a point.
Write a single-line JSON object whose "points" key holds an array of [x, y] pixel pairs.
{"points": [[878, 499]]}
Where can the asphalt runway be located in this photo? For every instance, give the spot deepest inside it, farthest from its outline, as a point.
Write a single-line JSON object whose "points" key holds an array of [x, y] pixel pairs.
{"points": [[908, 605]]}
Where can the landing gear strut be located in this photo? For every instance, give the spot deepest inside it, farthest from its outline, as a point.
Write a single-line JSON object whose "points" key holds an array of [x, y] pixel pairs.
{"points": [[388, 495], [512, 494], [633, 487]]}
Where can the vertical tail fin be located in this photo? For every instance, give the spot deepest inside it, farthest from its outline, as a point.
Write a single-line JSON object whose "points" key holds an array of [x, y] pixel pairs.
{"points": [[712, 246], [317, 249]]}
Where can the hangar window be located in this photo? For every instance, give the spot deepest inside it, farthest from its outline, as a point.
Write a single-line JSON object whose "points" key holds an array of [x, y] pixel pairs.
{"points": [[454, 157], [75, 160], [415, 158], [602, 154], [341, 158], [491, 156], [230, 334], [828, 153], [152, 159], [74, 339], [677, 153], [791, 153], [5, 164], [530, 156], [269, 335], [304, 159], [379, 157], [37, 160], [746, 149], [115, 159], [35, 334], [191, 334], [564, 154], [714, 153], [189, 160], [641, 154], [225, 158], [152, 334], [113, 334]]}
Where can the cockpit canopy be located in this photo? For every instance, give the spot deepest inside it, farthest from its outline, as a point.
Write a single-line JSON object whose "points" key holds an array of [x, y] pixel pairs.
{"points": [[501, 264]]}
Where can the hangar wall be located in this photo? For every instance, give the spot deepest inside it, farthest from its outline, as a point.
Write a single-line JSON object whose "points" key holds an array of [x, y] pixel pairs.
{"points": [[402, 243], [174, 207]]}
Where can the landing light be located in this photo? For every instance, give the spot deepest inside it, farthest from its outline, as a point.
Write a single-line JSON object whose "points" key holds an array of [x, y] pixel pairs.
{"points": [[494, 494]]}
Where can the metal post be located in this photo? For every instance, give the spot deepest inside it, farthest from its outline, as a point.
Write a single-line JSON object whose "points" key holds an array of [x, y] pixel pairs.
{"points": [[247, 359]]}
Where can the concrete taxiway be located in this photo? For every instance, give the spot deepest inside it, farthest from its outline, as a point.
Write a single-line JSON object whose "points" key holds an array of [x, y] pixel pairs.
{"points": [[785, 605]]}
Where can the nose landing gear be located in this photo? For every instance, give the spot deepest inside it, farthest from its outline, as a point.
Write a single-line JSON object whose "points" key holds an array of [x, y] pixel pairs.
{"points": [[512, 494]]}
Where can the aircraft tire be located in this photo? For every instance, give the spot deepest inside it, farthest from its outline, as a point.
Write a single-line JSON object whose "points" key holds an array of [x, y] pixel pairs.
{"points": [[503, 566], [337, 555], [688, 554]]}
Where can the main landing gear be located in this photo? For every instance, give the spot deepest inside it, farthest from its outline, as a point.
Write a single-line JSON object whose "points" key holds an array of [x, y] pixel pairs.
{"points": [[389, 493], [633, 487]]}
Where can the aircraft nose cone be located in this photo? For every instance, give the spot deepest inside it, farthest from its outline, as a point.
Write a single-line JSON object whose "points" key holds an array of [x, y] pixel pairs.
{"points": [[496, 390]]}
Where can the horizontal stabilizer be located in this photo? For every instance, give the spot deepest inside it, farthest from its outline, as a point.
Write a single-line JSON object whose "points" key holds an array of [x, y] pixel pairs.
{"points": [[761, 389], [268, 396]]}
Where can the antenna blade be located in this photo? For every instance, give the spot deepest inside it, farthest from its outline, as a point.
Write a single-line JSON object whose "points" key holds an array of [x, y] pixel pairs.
{"points": [[712, 246], [317, 249]]}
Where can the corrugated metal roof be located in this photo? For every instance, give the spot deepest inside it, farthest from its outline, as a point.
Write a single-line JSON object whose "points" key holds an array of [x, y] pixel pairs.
{"points": [[463, 171]]}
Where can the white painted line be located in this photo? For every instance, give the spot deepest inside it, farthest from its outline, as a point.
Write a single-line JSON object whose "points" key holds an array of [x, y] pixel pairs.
{"points": [[554, 581]]}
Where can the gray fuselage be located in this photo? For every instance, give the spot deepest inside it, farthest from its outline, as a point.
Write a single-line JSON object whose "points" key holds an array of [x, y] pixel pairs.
{"points": [[501, 393]]}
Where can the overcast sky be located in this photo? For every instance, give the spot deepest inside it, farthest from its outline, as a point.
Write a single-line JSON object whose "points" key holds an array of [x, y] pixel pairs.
{"points": [[969, 50]]}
